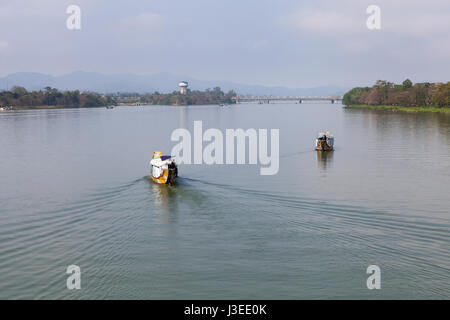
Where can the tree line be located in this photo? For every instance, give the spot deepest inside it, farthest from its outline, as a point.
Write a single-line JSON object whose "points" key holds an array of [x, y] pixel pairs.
{"points": [[20, 97], [195, 97], [407, 94], [51, 97]]}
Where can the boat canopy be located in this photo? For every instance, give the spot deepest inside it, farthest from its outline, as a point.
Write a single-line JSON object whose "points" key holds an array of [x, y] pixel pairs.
{"points": [[321, 134]]}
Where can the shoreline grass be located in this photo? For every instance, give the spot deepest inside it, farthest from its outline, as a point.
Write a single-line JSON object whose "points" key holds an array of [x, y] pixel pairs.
{"points": [[445, 110]]}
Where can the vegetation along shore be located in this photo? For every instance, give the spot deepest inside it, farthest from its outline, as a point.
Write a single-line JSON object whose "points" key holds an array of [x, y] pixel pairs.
{"points": [[19, 98], [405, 97]]}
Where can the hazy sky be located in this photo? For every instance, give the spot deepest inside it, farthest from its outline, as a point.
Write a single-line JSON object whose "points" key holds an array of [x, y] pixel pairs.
{"points": [[269, 42]]}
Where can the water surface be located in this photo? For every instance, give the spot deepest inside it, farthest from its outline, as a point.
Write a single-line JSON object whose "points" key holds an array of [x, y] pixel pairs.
{"points": [[75, 190]]}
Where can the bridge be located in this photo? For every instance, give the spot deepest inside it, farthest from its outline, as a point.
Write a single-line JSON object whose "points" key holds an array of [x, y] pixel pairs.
{"points": [[298, 99]]}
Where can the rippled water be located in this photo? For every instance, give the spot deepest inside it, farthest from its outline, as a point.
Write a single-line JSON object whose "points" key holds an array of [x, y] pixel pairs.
{"points": [[74, 189]]}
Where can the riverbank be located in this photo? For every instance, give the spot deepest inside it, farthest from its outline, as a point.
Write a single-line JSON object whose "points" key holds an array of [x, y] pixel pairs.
{"points": [[405, 97], [400, 108], [48, 107], [121, 104], [19, 98]]}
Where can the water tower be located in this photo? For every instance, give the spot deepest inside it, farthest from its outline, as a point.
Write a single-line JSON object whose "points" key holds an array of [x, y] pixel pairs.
{"points": [[183, 87]]}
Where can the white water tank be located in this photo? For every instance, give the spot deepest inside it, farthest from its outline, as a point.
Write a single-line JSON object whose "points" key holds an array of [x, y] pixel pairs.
{"points": [[183, 87]]}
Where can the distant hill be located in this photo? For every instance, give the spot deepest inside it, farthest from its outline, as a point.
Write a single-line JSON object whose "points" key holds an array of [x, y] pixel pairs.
{"points": [[162, 82]]}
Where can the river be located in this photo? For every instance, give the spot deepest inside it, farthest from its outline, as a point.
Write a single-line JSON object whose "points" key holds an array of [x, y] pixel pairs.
{"points": [[74, 190]]}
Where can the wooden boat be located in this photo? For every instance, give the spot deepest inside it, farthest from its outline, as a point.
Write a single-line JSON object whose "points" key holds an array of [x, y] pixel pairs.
{"points": [[163, 169], [325, 141]]}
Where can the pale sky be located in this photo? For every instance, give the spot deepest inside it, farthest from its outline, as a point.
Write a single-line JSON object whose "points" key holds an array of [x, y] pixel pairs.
{"points": [[268, 42]]}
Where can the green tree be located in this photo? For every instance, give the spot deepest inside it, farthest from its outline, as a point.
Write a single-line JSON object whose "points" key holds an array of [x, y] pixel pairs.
{"points": [[354, 96], [407, 84], [442, 96], [19, 91]]}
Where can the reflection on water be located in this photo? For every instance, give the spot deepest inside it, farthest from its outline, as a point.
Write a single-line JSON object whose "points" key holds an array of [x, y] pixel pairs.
{"points": [[163, 197], [161, 193], [324, 159]]}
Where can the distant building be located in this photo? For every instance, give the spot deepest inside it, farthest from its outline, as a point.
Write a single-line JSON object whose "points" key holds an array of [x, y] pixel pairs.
{"points": [[183, 87]]}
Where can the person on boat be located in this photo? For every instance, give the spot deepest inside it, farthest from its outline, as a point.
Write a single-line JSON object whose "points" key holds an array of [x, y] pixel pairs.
{"points": [[157, 170], [157, 165], [160, 163]]}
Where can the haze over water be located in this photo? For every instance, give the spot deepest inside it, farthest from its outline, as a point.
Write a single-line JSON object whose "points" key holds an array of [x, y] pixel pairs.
{"points": [[75, 190]]}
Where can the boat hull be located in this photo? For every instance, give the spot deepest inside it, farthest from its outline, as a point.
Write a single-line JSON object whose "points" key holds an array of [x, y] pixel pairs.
{"points": [[168, 176], [322, 145]]}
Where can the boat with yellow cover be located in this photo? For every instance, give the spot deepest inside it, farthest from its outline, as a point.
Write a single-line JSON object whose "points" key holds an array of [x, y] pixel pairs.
{"points": [[325, 141], [163, 169]]}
